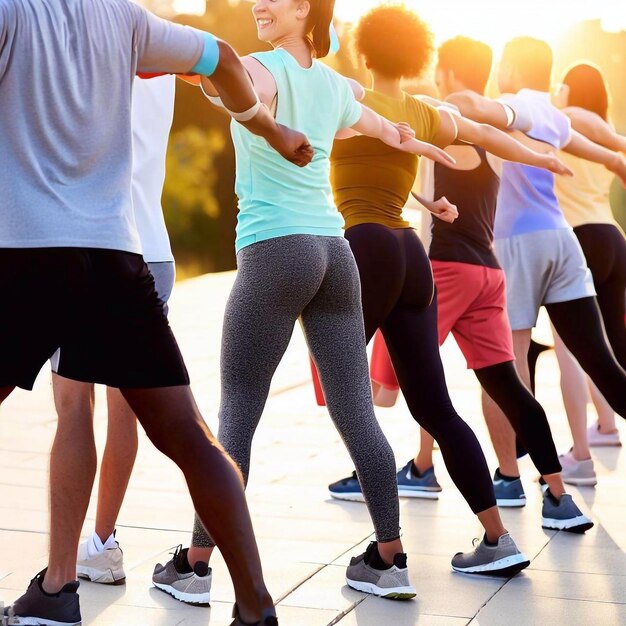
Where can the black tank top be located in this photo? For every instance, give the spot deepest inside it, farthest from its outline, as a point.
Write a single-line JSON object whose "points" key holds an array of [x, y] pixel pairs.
{"points": [[475, 192]]}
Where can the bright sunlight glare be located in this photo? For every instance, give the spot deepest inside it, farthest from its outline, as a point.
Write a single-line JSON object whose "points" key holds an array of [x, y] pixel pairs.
{"points": [[492, 21]]}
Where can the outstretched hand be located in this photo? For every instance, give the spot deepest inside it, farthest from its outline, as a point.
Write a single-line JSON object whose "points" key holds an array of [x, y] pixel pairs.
{"points": [[292, 145], [619, 169], [415, 146], [406, 132], [556, 166]]}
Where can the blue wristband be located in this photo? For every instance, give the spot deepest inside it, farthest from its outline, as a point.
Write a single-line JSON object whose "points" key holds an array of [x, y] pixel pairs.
{"points": [[207, 64]]}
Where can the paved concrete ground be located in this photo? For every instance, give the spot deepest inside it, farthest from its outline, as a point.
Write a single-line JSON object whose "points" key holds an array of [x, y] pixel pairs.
{"points": [[305, 538]]}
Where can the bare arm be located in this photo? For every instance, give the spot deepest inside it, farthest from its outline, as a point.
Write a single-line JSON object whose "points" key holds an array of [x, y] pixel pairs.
{"points": [[247, 72], [595, 128], [581, 147], [373, 125], [504, 146], [481, 109]]}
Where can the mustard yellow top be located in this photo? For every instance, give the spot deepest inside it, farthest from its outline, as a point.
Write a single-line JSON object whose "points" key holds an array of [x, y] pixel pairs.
{"points": [[584, 199], [372, 181]]}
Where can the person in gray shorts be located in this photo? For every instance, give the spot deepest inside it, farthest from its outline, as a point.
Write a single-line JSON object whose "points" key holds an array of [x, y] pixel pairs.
{"points": [[100, 558], [542, 258]]}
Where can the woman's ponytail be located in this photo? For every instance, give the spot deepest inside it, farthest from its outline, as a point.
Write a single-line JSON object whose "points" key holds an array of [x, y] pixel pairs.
{"points": [[321, 19]]}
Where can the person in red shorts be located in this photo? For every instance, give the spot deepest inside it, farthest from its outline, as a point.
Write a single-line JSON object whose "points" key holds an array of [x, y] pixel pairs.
{"points": [[471, 297]]}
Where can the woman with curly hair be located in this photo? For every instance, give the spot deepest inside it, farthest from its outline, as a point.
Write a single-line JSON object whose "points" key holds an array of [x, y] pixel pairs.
{"points": [[372, 184]]}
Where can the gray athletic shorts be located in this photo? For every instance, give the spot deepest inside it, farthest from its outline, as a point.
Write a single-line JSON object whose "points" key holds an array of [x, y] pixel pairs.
{"points": [[164, 275], [543, 267]]}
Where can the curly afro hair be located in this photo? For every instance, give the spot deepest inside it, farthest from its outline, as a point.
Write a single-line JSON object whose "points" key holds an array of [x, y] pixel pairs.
{"points": [[394, 41]]}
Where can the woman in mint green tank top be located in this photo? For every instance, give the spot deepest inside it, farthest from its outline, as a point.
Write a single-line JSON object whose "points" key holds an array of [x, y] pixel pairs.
{"points": [[294, 263]]}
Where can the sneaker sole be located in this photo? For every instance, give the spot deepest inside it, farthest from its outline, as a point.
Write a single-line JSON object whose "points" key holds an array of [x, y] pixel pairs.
{"points": [[511, 504], [394, 593], [509, 566], [605, 444], [578, 525], [197, 599], [418, 493], [102, 577], [581, 482], [348, 497], [38, 621]]}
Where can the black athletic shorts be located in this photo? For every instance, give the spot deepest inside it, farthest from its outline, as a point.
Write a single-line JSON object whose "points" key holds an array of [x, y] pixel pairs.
{"points": [[99, 306]]}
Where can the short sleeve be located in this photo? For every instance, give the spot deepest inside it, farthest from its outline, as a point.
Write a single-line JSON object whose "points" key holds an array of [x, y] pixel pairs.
{"points": [[424, 119], [566, 131], [163, 46], [523, 117], [351, 109]]}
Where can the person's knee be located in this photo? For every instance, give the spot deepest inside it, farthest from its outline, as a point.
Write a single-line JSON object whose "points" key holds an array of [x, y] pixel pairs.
{"points": [[73, 399]]}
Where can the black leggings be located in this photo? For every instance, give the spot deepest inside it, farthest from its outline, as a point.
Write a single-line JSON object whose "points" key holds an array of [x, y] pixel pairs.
{"points": [[525, 414], [397, 294], [604, 246], [579, 324]]}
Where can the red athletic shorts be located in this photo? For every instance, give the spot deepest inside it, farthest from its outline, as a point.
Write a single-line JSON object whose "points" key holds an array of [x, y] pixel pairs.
{"points": [[471, 300]]}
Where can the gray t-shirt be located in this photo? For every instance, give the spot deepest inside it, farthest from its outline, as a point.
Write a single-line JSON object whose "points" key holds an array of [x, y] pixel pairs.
{"points": [[66, 76]]}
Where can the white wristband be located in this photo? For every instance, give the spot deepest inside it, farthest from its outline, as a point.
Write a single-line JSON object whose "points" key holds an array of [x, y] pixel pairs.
{"points": [[216, 100], [246, 116]]}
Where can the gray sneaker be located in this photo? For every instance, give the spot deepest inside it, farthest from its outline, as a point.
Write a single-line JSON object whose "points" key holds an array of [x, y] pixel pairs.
{"points": [[503, 559], [38, 608], [176, 577], [563, 514], [509, 493], [391, 582]]}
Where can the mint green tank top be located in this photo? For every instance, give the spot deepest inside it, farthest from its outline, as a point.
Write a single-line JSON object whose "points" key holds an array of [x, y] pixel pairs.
{"points": [[277, 198]]}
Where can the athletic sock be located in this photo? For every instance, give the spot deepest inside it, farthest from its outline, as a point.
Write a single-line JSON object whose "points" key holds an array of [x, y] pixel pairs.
{"points": [[377, 562], [487, 542], [95, 546], [415, 471], [502, 476]]}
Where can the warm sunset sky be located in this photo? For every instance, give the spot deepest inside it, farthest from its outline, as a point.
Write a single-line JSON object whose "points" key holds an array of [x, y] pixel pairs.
{"points": [[493, 21]]}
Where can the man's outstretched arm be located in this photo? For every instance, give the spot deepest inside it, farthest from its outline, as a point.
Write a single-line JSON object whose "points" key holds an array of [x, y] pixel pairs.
{"points": [[582, 147], [592, 126]]}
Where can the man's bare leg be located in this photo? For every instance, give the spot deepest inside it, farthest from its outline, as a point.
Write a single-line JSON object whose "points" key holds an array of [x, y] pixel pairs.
{"points": [[72, 472], [174, 425], [118, 461], [500, 430]]}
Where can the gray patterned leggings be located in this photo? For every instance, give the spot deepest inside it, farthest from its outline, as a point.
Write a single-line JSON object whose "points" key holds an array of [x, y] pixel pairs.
{"points": [[316, 279]]}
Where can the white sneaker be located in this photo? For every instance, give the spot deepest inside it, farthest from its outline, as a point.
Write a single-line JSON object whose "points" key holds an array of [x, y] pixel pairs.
{"points": [[106, 568], [581, 473], [597, 439]]}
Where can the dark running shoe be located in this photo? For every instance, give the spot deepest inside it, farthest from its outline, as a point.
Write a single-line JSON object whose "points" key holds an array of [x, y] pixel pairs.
{"points": [[269, 618], [563, 514], [38, 608]]}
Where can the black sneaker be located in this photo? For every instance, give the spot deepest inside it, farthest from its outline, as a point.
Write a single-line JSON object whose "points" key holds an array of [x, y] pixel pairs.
{"points": [[269, 618], [38, 608]]}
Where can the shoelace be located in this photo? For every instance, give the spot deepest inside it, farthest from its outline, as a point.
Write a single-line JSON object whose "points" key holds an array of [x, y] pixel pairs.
{"points": [[475, 541]]}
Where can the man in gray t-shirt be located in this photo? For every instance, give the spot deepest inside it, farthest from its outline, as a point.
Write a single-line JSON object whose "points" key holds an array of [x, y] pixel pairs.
{"points": [[71, 272]]}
